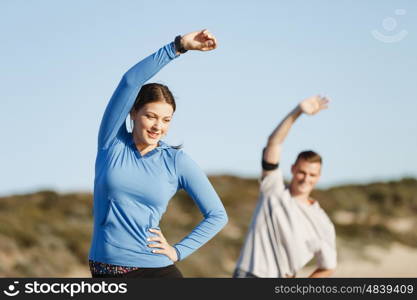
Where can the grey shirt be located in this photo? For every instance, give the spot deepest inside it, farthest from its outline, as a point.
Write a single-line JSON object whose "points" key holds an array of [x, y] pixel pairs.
{"points": [[285, 233]]}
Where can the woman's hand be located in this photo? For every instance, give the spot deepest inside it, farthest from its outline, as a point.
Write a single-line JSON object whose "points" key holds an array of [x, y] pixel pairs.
{"points": [[162, 245], [199, 40], [313, 105]]}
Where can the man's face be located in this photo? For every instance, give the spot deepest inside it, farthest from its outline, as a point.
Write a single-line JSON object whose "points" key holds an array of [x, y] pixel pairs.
{"points": [[305, 176]]}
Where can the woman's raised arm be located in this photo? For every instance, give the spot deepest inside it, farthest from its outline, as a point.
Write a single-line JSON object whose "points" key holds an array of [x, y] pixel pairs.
{"points": [[126, 92]]}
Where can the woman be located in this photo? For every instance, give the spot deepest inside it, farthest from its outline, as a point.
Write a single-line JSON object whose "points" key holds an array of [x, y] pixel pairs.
{"points": [[136, 174]]}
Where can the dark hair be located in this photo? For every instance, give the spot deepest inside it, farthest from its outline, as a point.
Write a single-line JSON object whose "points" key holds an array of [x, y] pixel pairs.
{"points": [[309, 156], [154, 92]]}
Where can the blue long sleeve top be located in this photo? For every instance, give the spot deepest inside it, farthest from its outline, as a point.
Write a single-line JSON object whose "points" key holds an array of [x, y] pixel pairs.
{"points": [[131, 191]]}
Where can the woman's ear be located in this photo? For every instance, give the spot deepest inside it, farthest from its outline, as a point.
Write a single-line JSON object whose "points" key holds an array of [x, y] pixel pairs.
{"points": [[132, 114]]}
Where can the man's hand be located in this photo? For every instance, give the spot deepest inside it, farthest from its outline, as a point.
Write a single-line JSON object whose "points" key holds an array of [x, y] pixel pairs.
{"points": [[201, 40], [313, 105], [322, 273], [162, 246]]}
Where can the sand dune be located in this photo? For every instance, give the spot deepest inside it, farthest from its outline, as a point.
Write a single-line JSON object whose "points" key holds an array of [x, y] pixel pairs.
{"points": [[395, 261]]}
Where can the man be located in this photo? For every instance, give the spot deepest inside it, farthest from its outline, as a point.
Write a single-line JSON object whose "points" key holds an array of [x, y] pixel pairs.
{"points": [[288, 227]]}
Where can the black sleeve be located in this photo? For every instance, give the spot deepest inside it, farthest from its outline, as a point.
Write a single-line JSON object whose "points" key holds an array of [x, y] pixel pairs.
{"points": [[266, 166]]}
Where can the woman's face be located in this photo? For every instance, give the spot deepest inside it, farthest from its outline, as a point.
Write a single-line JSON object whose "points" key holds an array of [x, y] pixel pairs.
{"points": [[152, 122]]}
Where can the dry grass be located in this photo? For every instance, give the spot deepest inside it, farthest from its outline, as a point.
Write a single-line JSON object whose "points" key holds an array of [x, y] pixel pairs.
{"points": [[46, 234]]}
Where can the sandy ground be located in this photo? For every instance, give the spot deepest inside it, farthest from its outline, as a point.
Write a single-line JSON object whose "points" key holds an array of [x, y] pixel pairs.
{"points": [[396, 261]]}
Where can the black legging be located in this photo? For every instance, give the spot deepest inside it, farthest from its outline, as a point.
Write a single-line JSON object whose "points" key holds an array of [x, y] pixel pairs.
{"points": [[165, 272]]}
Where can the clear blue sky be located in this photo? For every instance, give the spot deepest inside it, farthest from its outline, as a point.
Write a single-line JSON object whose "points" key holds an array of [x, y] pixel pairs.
{"points": [[61, 60]]}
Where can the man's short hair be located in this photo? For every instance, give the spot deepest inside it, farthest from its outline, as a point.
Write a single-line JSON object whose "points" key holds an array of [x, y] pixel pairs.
{"points": [[309, 156]]}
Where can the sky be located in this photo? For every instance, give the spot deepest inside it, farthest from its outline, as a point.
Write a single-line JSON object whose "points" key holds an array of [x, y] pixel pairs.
{"points": [[60, 62]]}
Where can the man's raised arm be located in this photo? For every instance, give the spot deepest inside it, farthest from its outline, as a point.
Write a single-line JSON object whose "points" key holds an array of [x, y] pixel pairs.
{"points": [[272, 153]]}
